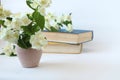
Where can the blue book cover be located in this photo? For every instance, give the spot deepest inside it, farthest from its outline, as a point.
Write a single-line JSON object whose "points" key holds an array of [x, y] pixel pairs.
{"points": [[75, 37]]}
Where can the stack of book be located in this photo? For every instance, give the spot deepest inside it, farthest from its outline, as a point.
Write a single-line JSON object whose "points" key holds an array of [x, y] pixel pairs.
{"points": [[64, 42]]}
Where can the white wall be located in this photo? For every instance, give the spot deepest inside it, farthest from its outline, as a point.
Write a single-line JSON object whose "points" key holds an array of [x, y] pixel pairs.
{"points": [[102, 16]]}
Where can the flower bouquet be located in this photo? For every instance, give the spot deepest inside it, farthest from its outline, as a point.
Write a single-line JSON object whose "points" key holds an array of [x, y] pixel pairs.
{"points": [[24, 31]]}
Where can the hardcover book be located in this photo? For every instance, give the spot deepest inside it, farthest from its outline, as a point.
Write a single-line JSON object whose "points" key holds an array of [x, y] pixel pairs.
{"points": [[64, 48], [74, 37]]}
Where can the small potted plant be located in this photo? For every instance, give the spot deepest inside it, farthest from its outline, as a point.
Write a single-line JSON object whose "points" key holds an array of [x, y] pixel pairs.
{"points": [[25, 31]]}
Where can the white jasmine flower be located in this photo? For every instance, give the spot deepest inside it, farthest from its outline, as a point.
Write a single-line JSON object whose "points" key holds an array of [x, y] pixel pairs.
{"points": [[4, 13], [66, 18], [25, 20], [18, 20], [51, 21], [59, 20], [9, 35], [9, 50], [50, 17], [41, 10], [16, 15], [17, 23], [69, 28], [34, 3], [7, 22], [55, 25], [47, 25], [41, 3], [38, 40], [45, 3]]}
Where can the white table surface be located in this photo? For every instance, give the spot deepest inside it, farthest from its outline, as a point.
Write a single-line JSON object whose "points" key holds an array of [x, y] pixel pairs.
{"points": [[91, 64]]}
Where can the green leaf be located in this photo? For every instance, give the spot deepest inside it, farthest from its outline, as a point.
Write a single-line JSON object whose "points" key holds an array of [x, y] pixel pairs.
{"points": [[9, 18], [67, 22], [2, 23], [28, 2], [47, 29], [70, 13], [29, 16], [23, 41], [12, 54], [39, 19], [2, 53], [30, 29], [60, 24], [53, 29], [13, 46]]}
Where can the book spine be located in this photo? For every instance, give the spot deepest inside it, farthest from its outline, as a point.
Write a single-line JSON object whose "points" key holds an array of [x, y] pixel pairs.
{"points": [[62, 48]]}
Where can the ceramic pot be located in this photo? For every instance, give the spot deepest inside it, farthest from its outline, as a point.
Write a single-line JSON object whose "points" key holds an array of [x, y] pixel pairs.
{"points": [[29, 58]]}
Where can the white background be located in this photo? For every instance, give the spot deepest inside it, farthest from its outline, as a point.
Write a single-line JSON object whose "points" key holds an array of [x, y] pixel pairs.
{"points": [[101, 16]]}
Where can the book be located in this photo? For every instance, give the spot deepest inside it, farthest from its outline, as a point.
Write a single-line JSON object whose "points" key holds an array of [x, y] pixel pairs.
{"points": [[64, 48], [74, 37]]}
